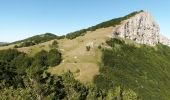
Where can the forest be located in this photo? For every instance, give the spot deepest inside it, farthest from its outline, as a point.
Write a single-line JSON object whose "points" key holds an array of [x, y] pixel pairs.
{"points": [[144, 69]]}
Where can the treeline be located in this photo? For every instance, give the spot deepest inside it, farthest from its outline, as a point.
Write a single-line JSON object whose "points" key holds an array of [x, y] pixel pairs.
{"points": [[143, 69], [22, 77], [36, 40], [109, 23], [13, 64]]}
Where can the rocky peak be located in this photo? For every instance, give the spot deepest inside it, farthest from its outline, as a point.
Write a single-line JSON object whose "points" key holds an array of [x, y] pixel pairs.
{"points": [[164, 40], [140, 28]]}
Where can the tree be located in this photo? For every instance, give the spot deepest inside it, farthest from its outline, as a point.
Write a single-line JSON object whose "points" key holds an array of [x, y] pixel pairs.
{"points": [[54, 57], [129, 95], [55, 44], [40, 59]]}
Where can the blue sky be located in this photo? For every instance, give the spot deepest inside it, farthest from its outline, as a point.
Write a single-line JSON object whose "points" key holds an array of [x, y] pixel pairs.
{"points": [[24, 18]]}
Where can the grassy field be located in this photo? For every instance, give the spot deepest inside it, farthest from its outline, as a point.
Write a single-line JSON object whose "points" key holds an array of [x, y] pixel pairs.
{"points": [[83, 63]]}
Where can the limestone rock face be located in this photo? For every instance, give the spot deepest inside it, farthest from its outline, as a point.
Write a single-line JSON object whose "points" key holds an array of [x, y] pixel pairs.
{"points": [[164, 40], [141, 28]]}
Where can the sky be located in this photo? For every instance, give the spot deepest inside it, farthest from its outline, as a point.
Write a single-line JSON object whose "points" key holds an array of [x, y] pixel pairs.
{"points": [[20, 19]]}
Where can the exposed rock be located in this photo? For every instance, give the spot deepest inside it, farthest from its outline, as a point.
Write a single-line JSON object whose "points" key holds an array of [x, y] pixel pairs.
{"points": [[164, 40], [141, 28], [91, 44]]}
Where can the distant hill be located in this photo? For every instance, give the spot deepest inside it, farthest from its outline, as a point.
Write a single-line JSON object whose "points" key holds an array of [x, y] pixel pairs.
{"points": [[40, 38], [3, 43], [37, 39]]}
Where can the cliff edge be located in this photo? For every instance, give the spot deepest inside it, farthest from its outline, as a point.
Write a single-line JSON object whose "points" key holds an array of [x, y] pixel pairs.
{"points": [[142, 29]]}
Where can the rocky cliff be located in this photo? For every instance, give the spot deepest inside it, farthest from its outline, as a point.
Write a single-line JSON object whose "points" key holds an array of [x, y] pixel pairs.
{"points": [[164, 40], [142, 29]]}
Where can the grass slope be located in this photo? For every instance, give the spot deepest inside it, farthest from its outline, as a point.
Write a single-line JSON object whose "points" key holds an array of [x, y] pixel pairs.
{"points": [[113, 22], [144, 69], [84, 64]]}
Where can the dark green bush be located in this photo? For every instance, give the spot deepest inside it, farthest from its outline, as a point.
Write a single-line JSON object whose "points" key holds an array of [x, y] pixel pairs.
{"points": [[54, 57]]}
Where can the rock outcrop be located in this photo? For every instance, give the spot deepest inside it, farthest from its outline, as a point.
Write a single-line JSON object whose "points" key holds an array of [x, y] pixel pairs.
{"points": [[164, 40], [142, 29]]}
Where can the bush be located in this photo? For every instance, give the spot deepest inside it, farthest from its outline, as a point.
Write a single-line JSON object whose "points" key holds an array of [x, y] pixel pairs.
{"points": [[55, 44], [27, 44], [54, 57], [16, 46], [88, 48], [99, 47]]}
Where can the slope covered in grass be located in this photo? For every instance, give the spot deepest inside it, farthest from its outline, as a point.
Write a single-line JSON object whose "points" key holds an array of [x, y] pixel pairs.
{"points": [[109, 23], [83, 63], [144, 69]]}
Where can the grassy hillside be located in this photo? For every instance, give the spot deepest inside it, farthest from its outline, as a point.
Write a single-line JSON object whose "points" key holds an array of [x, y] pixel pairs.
{"points": [[144, 69], [83, 63], [112, 22]]}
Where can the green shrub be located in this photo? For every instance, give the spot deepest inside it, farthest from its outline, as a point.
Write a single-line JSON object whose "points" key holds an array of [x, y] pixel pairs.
{"points": [[55, 44], [99, 47], [54, 57]]}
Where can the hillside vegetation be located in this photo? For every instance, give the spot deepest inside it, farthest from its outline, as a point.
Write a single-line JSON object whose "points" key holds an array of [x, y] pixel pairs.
{"points": [[36, 40], [113, 23], [144, 69], [76, 58], [25, 78]]}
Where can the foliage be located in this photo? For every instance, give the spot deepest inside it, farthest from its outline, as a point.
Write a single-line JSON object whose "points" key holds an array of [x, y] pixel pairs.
{"points": [[143, 69], [76, 34], [55, 44], [37, 39], [54, 57], [99, 47], [40, 59], [9, 55], [8, 73], [27, 44], [26, 78], [16, 46], [23, 77]]}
